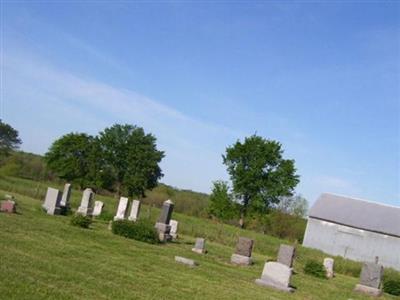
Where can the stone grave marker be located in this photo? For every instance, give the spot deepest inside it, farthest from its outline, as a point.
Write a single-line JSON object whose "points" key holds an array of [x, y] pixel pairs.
{"points": [[8, 206], [66, 195], [122, 208], [86, 207], [174, 228], [277, 276], [135, 209], [162, 225], [286, 255], [98, 208], [370, 279], [52, 201], [242, 255], [186, 261], [328, 265], [200, 246]]}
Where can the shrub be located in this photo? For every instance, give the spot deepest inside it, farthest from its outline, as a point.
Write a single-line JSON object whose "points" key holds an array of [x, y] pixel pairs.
{"points": [[315, 268], [391, 282], [106, 216], [141, 230], [81, 221]]}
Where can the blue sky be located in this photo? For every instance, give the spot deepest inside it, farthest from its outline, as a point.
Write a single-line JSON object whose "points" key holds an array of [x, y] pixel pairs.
{"points": [[322, 78]]}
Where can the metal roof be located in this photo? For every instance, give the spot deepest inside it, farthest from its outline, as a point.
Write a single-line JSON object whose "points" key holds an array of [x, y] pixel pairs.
{"points": [[357, 213]]}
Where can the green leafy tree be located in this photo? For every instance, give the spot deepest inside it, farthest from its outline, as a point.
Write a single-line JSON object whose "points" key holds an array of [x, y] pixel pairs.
{"points": [[9, 139], [131, 158], [259, 174], [76, 157], [221, 204]]}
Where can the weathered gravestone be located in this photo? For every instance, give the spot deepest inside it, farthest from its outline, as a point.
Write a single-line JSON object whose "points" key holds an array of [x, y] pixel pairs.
{"points": [[370, 279], [162, 225], [186, 261], [277, 276], [64, 203], [242, 255], [122, 208], [86, 207], [174, 228], [200, 246], [52, 202], [8, 206], [286, 255], [328, 265], [98, 208], [135, 209]]}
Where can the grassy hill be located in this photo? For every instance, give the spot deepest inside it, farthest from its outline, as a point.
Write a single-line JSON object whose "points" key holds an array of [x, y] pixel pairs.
{"points": [[44, 257]]}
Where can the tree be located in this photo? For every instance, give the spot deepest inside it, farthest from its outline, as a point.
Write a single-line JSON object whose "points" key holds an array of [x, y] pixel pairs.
{"points": [[9, 139], [76, 157], [259, 174], [221, 204], [293, 205], [131, 158]]}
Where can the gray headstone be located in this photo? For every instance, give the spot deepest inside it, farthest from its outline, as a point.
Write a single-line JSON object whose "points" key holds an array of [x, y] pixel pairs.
{"points": [[276, 275], [186, 261], [174, 228], [371, 275], [242, 260], [200, 246], [98, 208], [135, 209], [52, 201], [328, 265], [66, 195], [162, 225], [244, 246], [286, 255], [122, 207], [86, 207]]}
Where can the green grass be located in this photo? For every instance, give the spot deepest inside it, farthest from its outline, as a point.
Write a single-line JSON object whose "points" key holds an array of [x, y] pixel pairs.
{"points": [[44, 257]]}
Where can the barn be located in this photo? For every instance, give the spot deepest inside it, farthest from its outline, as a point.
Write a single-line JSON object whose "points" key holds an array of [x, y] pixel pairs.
{"points": [[355, 229]]}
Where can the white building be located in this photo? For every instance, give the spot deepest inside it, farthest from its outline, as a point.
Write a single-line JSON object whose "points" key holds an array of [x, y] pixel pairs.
{"points": [[355, 229]]}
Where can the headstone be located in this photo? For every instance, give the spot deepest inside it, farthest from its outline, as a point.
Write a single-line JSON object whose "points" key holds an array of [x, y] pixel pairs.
{"points": [[86, 207], [186, 261], [328, 265], [286, 255], [122, 207], [277, 276], [52, 201], [200, 246], [370, 279], [8, 206], [174, 228], [162, 225], [64, 203], [135, 209], [98, 208], [242, 255]]}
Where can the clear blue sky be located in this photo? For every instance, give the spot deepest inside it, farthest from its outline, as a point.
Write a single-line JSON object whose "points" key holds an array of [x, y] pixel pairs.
{"points": [[323, 79]]}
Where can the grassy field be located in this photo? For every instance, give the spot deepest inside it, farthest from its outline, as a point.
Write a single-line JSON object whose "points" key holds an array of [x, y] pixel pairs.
{"points": [[44, 257]]}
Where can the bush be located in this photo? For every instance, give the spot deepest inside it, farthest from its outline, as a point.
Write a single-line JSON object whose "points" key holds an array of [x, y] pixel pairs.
{"points": [[81, 221], [141, 230], [315, 269], [391, 282], [106, 216]]}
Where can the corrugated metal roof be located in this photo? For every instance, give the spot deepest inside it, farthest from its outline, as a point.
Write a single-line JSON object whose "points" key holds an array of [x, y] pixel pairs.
{"points": [[357, 213]]}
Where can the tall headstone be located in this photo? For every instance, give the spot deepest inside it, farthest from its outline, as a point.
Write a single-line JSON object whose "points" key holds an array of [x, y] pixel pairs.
{"points": [[86, 207], [370, 279], [135, 209], [328, 265], [277, 276], [122, 208], [200, 246], [174, 228], [162, 225], [242, 255], [286, 255], [52, 201], [98, 208], [8, 206], [64, 203]]}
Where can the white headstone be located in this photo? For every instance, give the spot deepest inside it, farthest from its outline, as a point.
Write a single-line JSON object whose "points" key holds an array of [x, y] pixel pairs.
{"points": [[186, 261], [52, 201], [86, 207], [135, 209], [121, 211], [174, 228], [66, 195], [276, 275], [98, 207], [328, 265], [200, 246]]}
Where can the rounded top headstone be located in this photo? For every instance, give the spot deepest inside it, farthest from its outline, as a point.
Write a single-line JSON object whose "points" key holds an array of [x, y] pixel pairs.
{"points": [[168, 201]]}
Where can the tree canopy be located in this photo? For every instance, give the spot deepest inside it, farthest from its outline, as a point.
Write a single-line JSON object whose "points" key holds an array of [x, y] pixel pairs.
{"points": [[9, 139], [222, 204], [259, 173]]}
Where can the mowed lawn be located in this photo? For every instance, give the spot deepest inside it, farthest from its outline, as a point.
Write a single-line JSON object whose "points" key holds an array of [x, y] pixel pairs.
{"points": [[44, 257]]}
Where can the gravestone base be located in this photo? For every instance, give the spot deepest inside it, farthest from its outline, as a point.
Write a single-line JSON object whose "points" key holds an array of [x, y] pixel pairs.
{"points": [[199, 251], [85, 211], [52, 210], [241, 260], [163, 232], [268, 282], [367, 290], [185, 261]]}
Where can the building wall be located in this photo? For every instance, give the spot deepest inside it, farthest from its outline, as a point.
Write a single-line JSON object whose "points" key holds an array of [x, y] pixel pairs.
{"points": [[351, 243]]}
